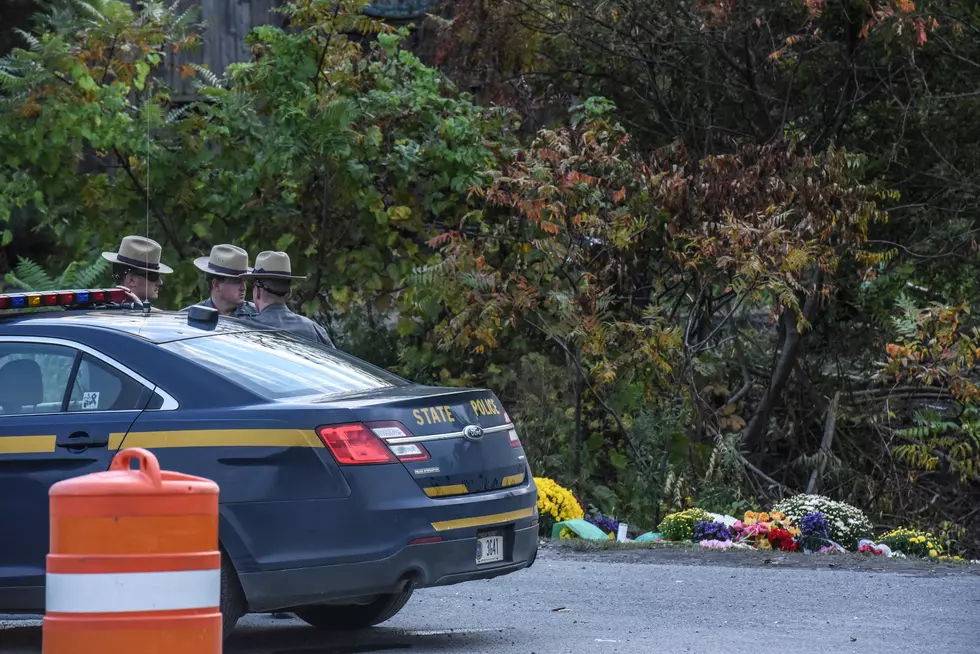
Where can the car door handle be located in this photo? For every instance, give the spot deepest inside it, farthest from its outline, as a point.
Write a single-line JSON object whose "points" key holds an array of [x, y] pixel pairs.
{"points": [[82, 439]]}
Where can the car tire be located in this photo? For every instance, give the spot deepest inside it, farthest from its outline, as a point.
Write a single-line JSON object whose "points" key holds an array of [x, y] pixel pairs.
{"points": [[346, 617], [232, 597]]}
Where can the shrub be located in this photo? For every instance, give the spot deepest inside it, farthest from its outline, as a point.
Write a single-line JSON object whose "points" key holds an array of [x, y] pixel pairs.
{"points": [[911, 542], [847, 524], [709, 530], [680, 526], [555, 504]]}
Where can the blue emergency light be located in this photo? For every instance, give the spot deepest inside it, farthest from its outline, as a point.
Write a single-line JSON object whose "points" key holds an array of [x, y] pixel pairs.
{"points": [[66, 299]]}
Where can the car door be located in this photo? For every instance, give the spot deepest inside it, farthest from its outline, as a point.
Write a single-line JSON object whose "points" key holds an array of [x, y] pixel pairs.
{"points": [[64, 410]]}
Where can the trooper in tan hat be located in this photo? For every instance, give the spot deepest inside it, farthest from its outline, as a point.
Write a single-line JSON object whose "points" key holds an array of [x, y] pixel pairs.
{"points": [[272, 283], [224, 269], [136, 267]]}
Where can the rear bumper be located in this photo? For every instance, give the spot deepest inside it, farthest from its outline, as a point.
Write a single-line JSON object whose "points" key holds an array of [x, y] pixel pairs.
{"points": [[424, 566]]}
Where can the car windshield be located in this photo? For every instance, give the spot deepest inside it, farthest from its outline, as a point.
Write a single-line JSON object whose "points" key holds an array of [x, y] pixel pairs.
{"points": [[277, 365]]}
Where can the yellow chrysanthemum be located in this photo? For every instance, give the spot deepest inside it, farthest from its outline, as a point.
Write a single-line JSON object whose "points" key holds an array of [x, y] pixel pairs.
{"points": [[557, 501]]}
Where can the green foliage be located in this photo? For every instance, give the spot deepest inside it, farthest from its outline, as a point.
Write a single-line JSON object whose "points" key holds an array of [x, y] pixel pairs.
{"points": [[662, 278], [345, 157], [28, 275], [935, 440], [680, 525], [912, 542]]}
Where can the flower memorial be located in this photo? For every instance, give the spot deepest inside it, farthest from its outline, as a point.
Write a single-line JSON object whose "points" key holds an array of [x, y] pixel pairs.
{"points": [[809, 524]]}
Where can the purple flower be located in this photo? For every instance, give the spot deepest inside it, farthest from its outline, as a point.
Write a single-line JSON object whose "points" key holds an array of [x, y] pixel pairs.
{"points": [[709, 530], [814, 531], [606, 524], [813, 525]]}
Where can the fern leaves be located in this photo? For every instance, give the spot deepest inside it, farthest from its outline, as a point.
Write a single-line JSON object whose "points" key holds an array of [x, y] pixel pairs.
{"points": [[28, 275], [934, 440], [85, 276]]}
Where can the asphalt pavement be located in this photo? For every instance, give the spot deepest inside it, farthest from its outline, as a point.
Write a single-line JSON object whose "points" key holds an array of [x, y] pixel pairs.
{"points": [[568, 604]]}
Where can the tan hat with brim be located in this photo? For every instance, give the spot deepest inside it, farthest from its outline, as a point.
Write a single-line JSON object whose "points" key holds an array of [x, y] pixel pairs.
{"points": [[224, 261], [140, 253], [272, 265]]}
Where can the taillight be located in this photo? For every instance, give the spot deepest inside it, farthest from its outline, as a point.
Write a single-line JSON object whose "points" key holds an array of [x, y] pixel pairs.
{"points": [[398, 440], [355, 445], [514, 440]]}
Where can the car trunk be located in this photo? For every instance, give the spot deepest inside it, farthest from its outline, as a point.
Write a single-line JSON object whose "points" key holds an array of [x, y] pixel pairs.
{"points": [[454, 442]]}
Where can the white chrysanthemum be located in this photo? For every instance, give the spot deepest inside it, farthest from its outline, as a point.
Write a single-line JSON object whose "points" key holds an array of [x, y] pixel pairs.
{"points": [[847, 524]]}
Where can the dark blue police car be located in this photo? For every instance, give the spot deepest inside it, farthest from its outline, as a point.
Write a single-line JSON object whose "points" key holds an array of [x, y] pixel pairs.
{"points": [[344, 488]]}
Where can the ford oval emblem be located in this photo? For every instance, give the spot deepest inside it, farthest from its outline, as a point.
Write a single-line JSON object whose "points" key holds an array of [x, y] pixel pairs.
{"points": [[473, 432]]}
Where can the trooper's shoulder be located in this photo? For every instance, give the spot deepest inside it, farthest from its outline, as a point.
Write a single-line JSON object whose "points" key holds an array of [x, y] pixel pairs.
{"points": [[247, 309], [203, 303]]}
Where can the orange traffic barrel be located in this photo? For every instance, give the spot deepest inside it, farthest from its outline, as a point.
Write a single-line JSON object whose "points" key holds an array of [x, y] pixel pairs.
{"points": [[134, 564]]}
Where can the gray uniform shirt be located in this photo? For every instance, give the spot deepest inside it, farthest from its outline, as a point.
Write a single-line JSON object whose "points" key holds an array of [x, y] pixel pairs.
{"points": [[279, 316], [247, 310]]}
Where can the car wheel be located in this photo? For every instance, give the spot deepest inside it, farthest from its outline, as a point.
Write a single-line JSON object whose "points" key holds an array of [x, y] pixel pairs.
{"points": [[232, 597], [354, 616]]}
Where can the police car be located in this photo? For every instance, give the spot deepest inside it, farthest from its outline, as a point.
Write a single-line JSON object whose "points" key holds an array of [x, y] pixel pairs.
{"points": [[344, 488]]}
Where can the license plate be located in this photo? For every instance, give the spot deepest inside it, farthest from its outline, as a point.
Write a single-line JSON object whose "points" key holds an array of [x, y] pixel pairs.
{"points": [[489, 549]]}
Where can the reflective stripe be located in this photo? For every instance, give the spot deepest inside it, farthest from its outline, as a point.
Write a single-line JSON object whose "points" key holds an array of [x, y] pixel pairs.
{"points": [[133, 591], [513, 480], [26, 444], [483, 520], [443, 491], [152, 440]]}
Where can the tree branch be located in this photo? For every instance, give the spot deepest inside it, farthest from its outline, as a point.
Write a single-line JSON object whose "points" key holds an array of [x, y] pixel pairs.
{"points": [[780, 375], [161, 218]]}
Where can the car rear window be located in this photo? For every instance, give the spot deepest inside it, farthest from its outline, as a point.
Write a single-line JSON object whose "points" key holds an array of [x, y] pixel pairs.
{"points": [[278, 366]]}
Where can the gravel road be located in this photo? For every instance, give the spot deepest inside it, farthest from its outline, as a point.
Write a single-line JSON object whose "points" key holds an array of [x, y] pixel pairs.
{"points": [[618, 601]]}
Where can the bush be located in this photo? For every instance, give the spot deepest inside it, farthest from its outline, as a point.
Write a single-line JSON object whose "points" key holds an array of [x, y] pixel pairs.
{"points": [[847, 524], [911, 542], [555, 504], [680, 526]]}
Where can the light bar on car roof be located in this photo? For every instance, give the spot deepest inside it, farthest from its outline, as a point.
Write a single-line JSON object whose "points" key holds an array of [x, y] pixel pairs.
{"points": [[66, 299]]}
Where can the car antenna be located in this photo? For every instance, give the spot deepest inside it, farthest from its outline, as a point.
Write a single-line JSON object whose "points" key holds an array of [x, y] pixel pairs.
{"points": [[146, 193]]}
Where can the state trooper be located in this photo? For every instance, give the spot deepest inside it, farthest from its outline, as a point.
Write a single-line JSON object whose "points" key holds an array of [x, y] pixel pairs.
{"points": [[224, 271], [136, 268], [272, 283]]}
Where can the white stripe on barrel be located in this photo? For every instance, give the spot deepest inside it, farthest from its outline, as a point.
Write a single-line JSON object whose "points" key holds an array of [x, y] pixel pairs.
{"points": [[133, 591]]}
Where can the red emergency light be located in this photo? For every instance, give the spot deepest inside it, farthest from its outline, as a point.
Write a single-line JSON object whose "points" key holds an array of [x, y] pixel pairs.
{"points": [[66, 299]]}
